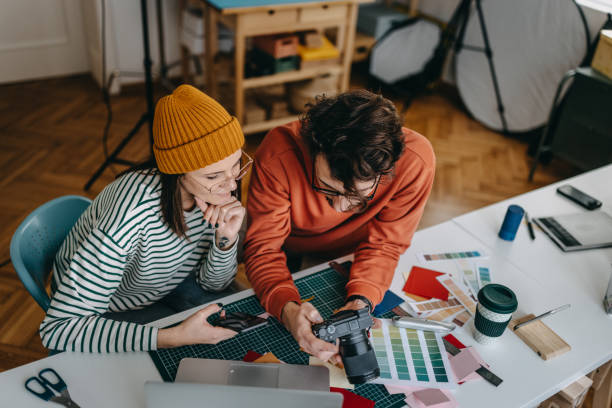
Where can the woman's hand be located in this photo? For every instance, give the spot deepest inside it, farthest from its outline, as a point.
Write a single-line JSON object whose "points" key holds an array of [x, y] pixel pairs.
{"points": [[226, 218], [194, 330]]}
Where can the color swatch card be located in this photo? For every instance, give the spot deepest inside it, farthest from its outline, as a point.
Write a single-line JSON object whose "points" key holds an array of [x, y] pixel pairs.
{"points": [[484, 275], [449, 256], [446, 314], [461, 318], [459, 291], [390, 300], [468, 270], [411, 357], [434, 304], [422, 282]]}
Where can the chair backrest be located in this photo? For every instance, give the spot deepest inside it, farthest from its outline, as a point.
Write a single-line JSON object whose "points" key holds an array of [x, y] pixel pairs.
{"points": [[37, 240]]}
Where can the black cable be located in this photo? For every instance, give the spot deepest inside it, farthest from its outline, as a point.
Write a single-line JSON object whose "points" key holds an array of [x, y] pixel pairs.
{"points": [[4, 263], [106, 87]]}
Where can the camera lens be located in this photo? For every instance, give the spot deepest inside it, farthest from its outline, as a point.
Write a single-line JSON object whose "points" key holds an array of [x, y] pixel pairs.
{"points": [[358, 358]]}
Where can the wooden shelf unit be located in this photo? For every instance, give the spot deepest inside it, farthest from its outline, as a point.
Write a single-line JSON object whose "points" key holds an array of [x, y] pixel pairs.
{"points": [[276, 19]]}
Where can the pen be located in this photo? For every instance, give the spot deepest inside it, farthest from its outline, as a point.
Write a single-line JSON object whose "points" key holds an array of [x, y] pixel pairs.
{"points": [[550, 312], [529, 226]]}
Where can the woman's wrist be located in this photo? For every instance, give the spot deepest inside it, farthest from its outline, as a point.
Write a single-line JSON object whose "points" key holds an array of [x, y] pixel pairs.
{"points": [[223, 242], [168, 338]]}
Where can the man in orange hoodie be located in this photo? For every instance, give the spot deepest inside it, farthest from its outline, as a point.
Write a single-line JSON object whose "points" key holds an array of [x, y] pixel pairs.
{"points": [[346, 178]]}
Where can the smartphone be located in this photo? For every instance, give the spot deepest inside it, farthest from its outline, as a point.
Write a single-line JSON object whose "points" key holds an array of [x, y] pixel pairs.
{"points": [[240, 322], [579, 197]]}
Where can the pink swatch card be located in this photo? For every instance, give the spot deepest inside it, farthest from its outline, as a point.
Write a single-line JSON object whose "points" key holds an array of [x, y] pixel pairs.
{"points": [[432, 398], [464, 363]]}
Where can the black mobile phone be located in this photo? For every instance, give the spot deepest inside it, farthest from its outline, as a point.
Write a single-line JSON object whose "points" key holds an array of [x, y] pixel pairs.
{"points": [[579, 197], [240, 322]]}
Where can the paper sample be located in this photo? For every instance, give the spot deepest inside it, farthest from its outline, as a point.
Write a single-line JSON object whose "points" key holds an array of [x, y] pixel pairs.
{"points": [[469, 275], [390, 301], [337, 375], [434, 305], [449, 256], [422, 282], [464, 363], [432, 398], [484, 276], [460, 292], [352, 400]]}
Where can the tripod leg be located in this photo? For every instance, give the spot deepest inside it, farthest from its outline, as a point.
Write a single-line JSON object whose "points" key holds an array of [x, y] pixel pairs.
{"points": [[113, 156], [489, 54], [544, 138], [147, 66], [460, 19], [148, 115]]}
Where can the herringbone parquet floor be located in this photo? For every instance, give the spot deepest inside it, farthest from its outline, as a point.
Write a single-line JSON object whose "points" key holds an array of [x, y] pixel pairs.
{"points": [[50, 144]]}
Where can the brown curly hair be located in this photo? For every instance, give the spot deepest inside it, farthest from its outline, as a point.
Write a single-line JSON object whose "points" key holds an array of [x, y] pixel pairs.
{"points": [[358, 132]]}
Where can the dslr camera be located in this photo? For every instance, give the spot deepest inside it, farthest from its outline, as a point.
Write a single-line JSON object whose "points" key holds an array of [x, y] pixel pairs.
{"points": [[351, 327]]}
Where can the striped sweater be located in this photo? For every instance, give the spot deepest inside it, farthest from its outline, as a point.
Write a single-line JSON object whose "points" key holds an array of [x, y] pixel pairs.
{"points": [[119, 256]]}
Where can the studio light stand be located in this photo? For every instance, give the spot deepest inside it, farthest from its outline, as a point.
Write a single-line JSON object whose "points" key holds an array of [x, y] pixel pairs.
{"points": [[146, 117], [463, 14]]}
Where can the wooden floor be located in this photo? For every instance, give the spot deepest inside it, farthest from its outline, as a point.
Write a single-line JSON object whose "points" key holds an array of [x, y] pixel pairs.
{"points": [[50, 144]]}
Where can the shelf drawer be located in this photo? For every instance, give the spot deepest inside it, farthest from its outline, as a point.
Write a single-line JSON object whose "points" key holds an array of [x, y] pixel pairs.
{"points": [[269, 18], [325, 12]]}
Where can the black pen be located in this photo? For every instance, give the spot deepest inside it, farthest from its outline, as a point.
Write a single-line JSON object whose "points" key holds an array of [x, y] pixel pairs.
{"points": [[529, 226]]}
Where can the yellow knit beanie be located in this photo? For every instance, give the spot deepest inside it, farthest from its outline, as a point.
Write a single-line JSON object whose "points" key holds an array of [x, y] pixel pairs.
{"points": [[191, 130]]}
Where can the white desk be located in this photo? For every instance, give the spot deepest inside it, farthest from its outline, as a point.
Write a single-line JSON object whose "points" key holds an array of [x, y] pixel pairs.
{"points": [[579, 278], [118, 380], [528, 379]]}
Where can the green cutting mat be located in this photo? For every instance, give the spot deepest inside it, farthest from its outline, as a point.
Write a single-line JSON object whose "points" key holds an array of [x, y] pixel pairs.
{"points": [[326, 286]]}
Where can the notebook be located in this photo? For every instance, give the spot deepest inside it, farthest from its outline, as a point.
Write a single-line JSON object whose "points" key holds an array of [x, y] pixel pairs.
{"points": [[575, 232]]}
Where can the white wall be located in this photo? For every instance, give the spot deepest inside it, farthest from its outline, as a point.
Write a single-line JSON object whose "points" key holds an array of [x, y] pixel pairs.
{"points": [[40, 39], [124, 43]]}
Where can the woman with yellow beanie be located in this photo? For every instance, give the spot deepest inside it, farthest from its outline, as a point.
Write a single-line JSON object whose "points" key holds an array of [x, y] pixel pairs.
{"points": [[159, 236]]}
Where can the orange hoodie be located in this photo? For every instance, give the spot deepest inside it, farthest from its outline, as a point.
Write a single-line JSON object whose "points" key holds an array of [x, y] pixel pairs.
{"points": [[285, 213]]}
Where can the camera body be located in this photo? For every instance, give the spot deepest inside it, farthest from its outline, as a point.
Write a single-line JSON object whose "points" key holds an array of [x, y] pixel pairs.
{"points": [[351, 327]]}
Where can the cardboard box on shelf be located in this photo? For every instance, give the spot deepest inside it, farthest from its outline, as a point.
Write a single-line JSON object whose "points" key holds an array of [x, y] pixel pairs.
{"points": [[253, 112], [602, 60], [274, 100], [278, 46], [301, 93]]}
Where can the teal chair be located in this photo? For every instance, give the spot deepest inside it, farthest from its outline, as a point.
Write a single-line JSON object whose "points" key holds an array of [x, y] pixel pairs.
{"points": [[37, 240]]}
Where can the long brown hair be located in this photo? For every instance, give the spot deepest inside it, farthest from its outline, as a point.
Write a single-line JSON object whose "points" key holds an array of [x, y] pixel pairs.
{"points": [[358, 132], [170, 199]]}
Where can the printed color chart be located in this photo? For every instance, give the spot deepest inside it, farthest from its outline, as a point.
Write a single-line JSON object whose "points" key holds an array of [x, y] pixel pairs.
{"points": [[423, 257], [440, 315], [484, 276], [434, 304], [460, 292], [469, 274], [410, 357]]}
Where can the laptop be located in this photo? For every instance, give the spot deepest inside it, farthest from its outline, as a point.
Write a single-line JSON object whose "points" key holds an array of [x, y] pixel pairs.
{"points": [[190, 395], [240, 373], [575, 232]]}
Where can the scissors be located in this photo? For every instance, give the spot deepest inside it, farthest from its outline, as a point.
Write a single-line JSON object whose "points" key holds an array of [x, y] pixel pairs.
{"points": [[51, 384]]}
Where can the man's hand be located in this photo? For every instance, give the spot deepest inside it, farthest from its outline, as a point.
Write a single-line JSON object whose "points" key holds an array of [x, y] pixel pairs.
{"points": [[360, 304], [355, 304], [299, 320], [194, 330]]}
